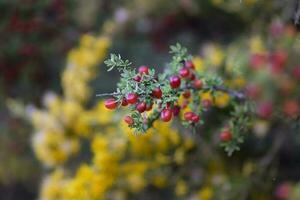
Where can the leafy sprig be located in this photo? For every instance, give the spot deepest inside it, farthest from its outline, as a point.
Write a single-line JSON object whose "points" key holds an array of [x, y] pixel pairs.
{"points": [[144, 83], [117, 61]]}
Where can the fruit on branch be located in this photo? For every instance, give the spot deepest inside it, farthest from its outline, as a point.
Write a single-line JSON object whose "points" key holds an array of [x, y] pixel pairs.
{"points": [[188, 115], [291, 108], [166, 115], [111, 103], [206, 103], [184, 72], [141, 107], [225, 136], [195, 118], [162, 93], [265, 110], [192, 77], [128, 120], [175, 81], [189, 64], [157, 93], [257, 60], [176, 110], [137, 78], [149, 107], [186, 94], [198, 84], [252, 91], [143, 70], [191, 116], [296, 73], [131, 98], [184, 104], [124, 102]]}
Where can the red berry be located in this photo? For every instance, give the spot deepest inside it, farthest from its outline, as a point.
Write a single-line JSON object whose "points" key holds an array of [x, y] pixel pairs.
{"points": [[110, 103], [184, 104], [189, 64], [225, 136], [265, 110], [176, 110], [131, 98], [157, 93], [166, 115], [252, 91], [168, 105], [291, 108], [192, 77], [149, 107], [198, 84], [184, 72], [278, 58], [124, 102], [195, 118], [137, 78], [128, 120], [206, 103], [188, 115], [283, 191], [296, 73], [175, 81], [143, 70], [186, 94], [141, 107], [257, 61]]}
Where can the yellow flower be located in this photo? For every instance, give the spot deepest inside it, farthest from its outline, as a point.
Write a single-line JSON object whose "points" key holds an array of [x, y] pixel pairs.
{"points": [[181, 188], [87, 41], [238, 82], [160, 181], [104, 116], [136, 182], [51, 186], [222, 99], [256, 45], [206, 193], [248, 168], [198, 62], [206, 95], [179, 156], [214, 54], [70, 112], [53, 148], [188, 144]]}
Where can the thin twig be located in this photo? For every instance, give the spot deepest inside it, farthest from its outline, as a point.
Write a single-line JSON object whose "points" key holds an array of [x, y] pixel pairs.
{"points": [[239, 95], [233, 93], [106, 94]]}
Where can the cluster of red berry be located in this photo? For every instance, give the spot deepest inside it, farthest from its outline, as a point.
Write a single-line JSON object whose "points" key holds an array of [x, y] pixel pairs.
{"points": [[187, 72], [283, 77]]}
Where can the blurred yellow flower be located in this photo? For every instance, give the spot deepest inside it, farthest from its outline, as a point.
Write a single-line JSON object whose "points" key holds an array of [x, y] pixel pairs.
{"points": [[222, 99], [198, 62], [160, 181], [256, 45], [181, 188], [205, 193]]}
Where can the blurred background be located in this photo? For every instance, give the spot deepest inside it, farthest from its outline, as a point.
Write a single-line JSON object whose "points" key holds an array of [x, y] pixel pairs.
{"points": [[36, 45]]}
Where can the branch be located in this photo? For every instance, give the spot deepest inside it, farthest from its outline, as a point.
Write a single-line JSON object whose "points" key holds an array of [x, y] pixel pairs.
{"points": [[106, 94], [239, 95]]}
